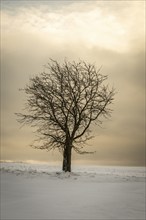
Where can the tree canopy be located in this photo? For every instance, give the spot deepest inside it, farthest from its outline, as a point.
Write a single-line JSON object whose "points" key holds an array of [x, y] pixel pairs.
{"points": [[63, 102]]}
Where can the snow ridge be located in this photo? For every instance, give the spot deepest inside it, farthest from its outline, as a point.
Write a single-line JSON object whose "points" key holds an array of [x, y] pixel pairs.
{"points": [[82, 172]]}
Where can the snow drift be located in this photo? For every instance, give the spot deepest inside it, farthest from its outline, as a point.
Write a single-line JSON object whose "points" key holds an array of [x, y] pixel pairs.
{"points": [[34, 191]]}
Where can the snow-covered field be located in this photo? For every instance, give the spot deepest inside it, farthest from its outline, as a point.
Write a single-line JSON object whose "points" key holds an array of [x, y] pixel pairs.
{"points": [[40, 191]]}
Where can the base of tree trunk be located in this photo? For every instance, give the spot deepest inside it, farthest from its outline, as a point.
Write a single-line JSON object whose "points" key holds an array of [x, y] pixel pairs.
{"points": [[66, 166]]}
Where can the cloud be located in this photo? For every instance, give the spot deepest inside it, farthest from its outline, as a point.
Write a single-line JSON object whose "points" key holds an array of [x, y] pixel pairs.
{"points": [[110, 34], [91, 24]]}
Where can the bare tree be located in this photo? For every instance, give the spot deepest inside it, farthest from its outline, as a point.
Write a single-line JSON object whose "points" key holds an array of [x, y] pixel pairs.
{"points": [[63, 102]]}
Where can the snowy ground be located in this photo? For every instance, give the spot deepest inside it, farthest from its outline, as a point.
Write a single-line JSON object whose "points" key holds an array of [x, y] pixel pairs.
{"points": [[31, 191]]}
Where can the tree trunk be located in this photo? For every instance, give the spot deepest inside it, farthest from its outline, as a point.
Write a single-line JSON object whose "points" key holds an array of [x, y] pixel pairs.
{"points": [[67, 159]]}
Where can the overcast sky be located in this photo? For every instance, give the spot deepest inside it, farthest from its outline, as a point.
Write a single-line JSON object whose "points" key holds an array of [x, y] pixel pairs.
{"points": [[107, 33]]}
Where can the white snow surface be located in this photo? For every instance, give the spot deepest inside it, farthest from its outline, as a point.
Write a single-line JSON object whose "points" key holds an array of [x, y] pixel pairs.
{"points": [[41, 191]]}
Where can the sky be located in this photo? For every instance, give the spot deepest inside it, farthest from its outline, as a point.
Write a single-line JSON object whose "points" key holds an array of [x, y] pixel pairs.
{"points": [[110, 34]]}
